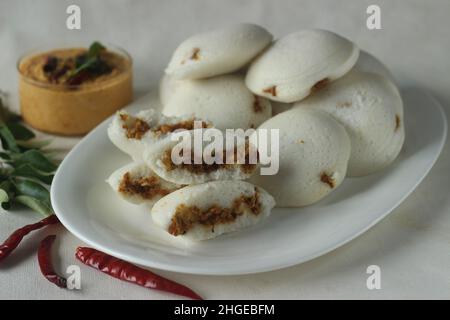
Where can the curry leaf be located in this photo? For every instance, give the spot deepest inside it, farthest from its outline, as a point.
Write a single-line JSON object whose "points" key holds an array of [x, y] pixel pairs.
{"points": [[86, 65], [7, 138], [4, 200], [5, 172], [32, 189], [36, 159], [5, 156], [20, 132], [89, 63], [33, 144], [42, 207], [6, 194], [95, 48], [27, 170]]}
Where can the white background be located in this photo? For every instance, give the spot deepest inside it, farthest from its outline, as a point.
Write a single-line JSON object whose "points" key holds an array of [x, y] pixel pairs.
{"points": [[412, 245]]}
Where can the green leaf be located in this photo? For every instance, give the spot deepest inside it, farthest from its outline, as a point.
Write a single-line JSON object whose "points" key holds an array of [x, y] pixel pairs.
{"points": [[93, 59], [36, 159], [89, 63], [20, 132], [5, 156], [54, 155], [4, 200], [7, 138], [5, 172], [23, 167], [27, 170], [33, 144], [32, 189], [95, 48], [6, 194], [42, 207]]}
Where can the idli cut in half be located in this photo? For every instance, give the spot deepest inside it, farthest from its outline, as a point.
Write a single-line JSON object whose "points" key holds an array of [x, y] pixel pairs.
{"points": [[138, 184], [300, 63], [191, 166], [313, 154], [223, 100], [218, 51], [205, 211], [370, 108], [134, 133]]}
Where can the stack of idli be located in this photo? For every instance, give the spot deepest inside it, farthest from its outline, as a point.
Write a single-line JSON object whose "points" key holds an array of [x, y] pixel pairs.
{"points": [[337, 110]]}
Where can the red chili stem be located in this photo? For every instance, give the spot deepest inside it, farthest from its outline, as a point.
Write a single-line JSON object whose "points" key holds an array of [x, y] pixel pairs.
{"points": [[45, 262], [16, 237], [126, 271]]}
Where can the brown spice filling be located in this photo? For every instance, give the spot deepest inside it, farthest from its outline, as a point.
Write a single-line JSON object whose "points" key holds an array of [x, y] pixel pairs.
{"points": [[272, 90], [195, 54], [136, 129], [146, 187], [187, 125], [320, 85], [186, 217], [203, 167], [257, 107], [326, 178], [397, 122]]}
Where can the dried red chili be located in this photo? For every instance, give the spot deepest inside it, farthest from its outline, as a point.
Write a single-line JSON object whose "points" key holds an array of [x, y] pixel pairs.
{"points": [[126, 271], [16, 237], [45, 262]]}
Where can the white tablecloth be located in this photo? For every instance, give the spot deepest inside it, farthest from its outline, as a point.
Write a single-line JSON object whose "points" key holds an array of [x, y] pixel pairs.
{"points": [[412, 245]]}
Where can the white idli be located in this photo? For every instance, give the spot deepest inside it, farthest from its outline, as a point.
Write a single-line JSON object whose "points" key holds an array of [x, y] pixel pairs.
{"points": [[370, 108], [218, 52], [313, 153], [223, 100], [167, 88], [205, 211], [300, 63]]}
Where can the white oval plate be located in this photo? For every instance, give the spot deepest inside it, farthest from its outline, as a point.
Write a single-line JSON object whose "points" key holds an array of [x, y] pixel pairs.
{"points": [[89, 209]]}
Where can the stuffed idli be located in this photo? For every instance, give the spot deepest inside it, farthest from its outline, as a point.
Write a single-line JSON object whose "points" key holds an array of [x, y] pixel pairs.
{"points": [[313, 154], [218, 51], [370, 108], [138, 184], [134, 133], [223, 100], [299, 64], [178, 160], [207, 210]]}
